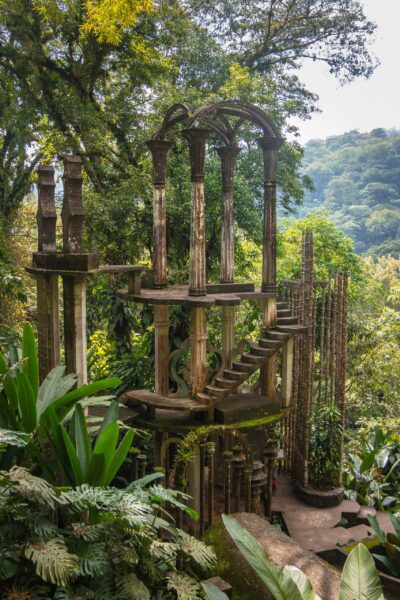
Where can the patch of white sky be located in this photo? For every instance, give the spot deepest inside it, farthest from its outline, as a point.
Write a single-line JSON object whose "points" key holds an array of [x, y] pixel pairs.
{"points": [[363, 104]]}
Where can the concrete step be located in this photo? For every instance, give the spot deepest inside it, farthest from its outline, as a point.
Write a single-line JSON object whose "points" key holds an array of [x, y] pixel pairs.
{"points": [[287, 321], [236, 375], [260, 351], [251, 358], [274, 334], [291, 329], [228, 384], [243, 366], [219, 392], [272, 344]]}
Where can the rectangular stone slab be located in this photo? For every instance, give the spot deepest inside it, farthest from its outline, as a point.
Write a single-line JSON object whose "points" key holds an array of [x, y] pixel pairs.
{"points": [[238, 408]]}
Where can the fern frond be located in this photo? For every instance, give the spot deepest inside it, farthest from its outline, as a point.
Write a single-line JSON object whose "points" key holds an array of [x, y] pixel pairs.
{"points": [[186, 587], [34, 488], [130, 587], [196, 550], [53, 562]]}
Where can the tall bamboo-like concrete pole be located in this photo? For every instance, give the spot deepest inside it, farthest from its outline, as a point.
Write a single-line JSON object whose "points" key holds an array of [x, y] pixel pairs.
{"points": [[159, 150], [197, 267], [47, 285]]}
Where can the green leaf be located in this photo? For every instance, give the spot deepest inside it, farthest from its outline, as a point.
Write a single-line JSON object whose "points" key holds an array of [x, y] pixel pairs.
{"points": [[62, 405], [375, 526], [119, 457], [27, 402], [360, 579], [56, 438], [302, 582], [281, 586], [212, 592], [29, 352], [110, 415], [9, 384], [388, 563], [106, 445], [368, 461], [73, 458], [143, 481], [82, 439], [54, 386], [96, 470]]}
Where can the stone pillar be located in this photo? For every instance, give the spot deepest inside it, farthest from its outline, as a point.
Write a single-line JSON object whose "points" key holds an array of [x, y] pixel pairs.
{"points": [[268, 372], [198, 346], [287, 373], [228, 330], [74, 285], [197, 264], [161, 324], [227, 155], [159, 150], [270, 146], [48, 320]]}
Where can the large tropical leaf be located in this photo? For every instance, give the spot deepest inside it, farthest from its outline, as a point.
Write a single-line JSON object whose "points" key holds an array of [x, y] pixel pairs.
{"points": [[360, 579], [62, 405], [27, 402], [281, 586], [212, 592], [119, 457], [8, 383], [106, 445], [111, 415], [14, 438], [302, 582], [82, 439], [56, 385], [29, 353]]}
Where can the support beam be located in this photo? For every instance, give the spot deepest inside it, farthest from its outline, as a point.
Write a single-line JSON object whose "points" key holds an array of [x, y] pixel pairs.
{"points": [[72, 211], [198, 345], [228, 330], [268, 372], [161, 324], [270, 146], [197, 264], [159, 150], [227, 155]]}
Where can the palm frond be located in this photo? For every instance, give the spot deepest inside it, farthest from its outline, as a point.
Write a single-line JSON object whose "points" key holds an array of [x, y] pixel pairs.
{"points": [[53, 562], [93, 558]]}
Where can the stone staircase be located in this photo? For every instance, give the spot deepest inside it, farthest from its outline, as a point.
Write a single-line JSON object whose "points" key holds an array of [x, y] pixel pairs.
{"points": [[249, 362]]}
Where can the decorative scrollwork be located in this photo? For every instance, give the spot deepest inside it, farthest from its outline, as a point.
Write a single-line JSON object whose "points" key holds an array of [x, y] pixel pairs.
{"points": [[180, 374], [220, 362]]}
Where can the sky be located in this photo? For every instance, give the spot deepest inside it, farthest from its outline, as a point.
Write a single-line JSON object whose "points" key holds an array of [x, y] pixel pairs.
{"points": [[364, 104]]}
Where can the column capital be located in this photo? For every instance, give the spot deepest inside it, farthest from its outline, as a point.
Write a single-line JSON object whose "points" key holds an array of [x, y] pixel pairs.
{"points": [[159, 150], [227, 155], [270, 146], [197, 138]]}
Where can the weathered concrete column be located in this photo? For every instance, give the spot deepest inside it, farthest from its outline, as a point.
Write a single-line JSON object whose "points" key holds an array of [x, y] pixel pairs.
{"points": [[227, 155], [197, 265], [228, 330], [159, 150], [75, 326], [287, 373], [198, 347], [268, 372], [48, 320], [161, 324], [74, 285], [270, 146]]}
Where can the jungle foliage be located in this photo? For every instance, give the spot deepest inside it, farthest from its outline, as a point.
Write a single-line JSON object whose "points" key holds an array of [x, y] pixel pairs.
{"points": [[356, 178]]}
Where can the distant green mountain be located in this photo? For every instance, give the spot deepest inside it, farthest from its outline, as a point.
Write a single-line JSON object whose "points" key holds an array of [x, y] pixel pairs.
{"points": [[357, 180]]}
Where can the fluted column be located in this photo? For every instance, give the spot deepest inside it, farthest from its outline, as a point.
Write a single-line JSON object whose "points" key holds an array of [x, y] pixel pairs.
{"points": [[48, 321], [227, 155], [197, 264], [159, 151]]}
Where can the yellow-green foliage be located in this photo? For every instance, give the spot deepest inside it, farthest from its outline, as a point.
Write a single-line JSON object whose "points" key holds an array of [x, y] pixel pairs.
{"points": [[107, 19]]}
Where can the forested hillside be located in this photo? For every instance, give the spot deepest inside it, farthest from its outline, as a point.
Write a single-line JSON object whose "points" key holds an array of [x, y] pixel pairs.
{"points": [[357, 179]]}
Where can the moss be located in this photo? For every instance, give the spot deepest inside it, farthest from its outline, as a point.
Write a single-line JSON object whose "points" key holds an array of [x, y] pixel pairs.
{"points": [[369, 543]]}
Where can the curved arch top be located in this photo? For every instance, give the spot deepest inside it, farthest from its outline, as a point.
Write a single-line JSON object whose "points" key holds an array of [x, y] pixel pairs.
{"points": [[216, 117]]}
